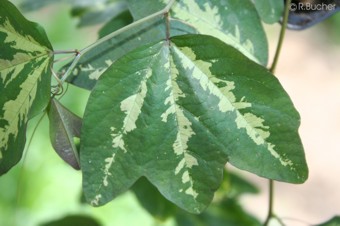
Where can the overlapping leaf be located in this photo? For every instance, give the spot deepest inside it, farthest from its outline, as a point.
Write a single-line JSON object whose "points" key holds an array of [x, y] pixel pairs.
{"points": [[99, 13], [176, 112], [25, 58], [234, 22], [97, 60], [224, 210], [64, 128], [116, 23], [227, 213]]}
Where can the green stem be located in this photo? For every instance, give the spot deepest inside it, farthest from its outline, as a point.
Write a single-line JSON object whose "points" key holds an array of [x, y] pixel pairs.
{"points": [[64, 51], [271, 203], [271, 214], [279, 220], [282, 35], [165, 10], [167, 26]]}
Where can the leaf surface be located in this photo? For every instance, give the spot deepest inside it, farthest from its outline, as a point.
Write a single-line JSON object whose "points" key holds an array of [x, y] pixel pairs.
{"points": [[25, 59], [226, 213], [99, 13], [95, 62], [64, 128], [176, 113], [234, 22], [270, 11], [152, 201], [121, 20]]}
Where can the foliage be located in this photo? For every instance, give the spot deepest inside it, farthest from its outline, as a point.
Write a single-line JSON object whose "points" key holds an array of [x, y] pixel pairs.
{"points": [[335, 221], [178, 89], [25, 61], [73, 220]]}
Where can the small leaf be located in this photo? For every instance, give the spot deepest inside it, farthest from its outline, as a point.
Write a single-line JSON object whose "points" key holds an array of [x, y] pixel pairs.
{"points": [[178, 112], [270, 10], [25, 60], [64, 127], [74, 220], [335, 221]]}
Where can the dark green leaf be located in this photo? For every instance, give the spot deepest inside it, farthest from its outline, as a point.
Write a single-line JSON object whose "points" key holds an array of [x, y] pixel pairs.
{"points": [[25, 60], [225, 209], [177, 112], [75, 220], [150, 198], [239, 186], [270, 10], [102, 13], [116, 23], [335, 221], [227, 213], [64, 127], [234, 22]]}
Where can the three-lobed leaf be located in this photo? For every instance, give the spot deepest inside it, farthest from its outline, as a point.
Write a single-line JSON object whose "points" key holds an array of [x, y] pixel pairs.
{"points": [[25, 59], [175, 112]]}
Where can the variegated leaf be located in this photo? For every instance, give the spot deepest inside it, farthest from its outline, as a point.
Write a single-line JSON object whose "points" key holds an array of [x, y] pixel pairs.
{"points": [[64, 128], [94, 62], [222, 19], [25, 59], [176, 112], [234, 22]]}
